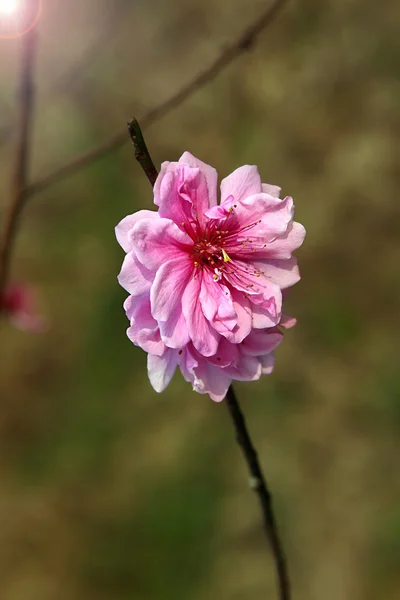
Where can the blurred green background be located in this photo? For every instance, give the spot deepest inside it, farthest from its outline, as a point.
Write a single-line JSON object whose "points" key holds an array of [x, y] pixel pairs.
{"points": [[110, 491]]}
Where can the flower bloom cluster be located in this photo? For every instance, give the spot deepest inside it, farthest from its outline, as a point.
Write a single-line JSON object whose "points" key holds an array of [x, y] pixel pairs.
{"points": [[206, 279]]}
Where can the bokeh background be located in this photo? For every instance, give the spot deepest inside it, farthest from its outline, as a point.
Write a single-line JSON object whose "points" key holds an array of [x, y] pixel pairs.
{"points": [[110, 491]]}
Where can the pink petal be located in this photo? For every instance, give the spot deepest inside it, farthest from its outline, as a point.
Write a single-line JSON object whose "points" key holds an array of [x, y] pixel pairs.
{"points": [[162, 368], [260, 290], [125, 226], [284, 273], [147, 339], [213, 382], [243, 310], [272, 190], [285, 244], [188, 362], [216, 302], [139, 308], [221, 211], [210, 174], [271, 217], [267, 363], [143, 330], [261, 342], [287, 322], [168, 287], [174, 332], [243, 182], [157, 241], [134, 277], [226, 355], [205, 339], [181, 193], [248, 368], [263, 319], [208, 379]]}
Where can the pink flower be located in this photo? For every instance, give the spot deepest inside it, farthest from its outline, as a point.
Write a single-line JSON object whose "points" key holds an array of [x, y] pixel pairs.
{"points": [[203, 276], [18, 303]]}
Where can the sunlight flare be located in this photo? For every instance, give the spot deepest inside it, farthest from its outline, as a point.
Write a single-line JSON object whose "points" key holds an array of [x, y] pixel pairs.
{"points": [[9, 7]]}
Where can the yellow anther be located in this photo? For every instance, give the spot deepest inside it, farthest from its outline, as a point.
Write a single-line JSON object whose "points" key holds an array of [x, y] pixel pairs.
{"points": [[225, 255]]}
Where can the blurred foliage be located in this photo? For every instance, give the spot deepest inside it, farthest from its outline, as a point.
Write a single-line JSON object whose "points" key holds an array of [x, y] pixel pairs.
{"points": [[110, 491]]}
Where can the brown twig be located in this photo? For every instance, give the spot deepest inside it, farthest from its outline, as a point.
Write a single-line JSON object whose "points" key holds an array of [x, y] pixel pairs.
{"points": [[258, 482], [142, 154], [245, 40], [18, 193]]}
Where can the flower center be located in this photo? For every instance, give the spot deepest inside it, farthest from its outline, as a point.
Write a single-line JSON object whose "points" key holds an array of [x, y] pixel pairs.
{"points": [[217, 246], [209, 252]]}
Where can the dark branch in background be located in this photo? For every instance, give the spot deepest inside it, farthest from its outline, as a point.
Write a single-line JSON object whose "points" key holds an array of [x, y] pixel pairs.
{"points": [[258, 482], [142, 154], [21, 164], [244, 42]]}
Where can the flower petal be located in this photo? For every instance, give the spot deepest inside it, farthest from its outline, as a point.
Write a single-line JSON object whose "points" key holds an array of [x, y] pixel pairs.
{"points": [[243, 310], [205, 377], [161, 369], [182, 194], [216, 302], [263, 318], [265, 217], [243, 182], [267, 363], [284, 273], [257, 288], [174, 332], [248, 368], [169, 284], [143, 330], [287, 322], [134, 277], [125, 226], [272, 190], [286, 243], [204, 337], [157, 241], [210, 174], [261, 341]]}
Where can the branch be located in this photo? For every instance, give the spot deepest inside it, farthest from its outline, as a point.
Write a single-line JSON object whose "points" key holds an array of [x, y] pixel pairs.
{"points": [[233, 51], [258, 481], [18, 193], [142, 155], [259, 484]]}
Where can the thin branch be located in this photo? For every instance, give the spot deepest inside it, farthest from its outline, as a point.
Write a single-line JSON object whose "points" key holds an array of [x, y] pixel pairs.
{"points": [[259, 484], [142, 154], [22, 154], [244, 42]]}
